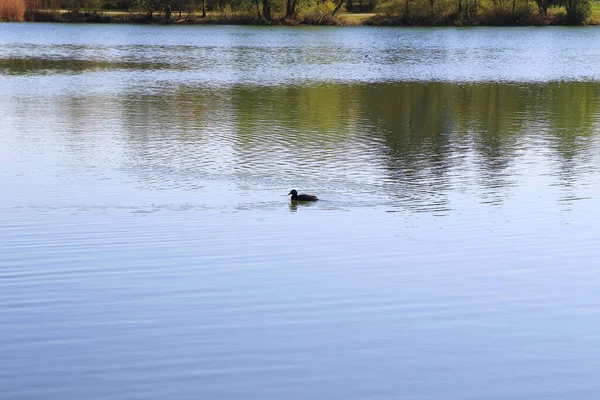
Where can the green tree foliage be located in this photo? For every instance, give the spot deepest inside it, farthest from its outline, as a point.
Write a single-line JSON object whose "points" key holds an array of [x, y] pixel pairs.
{"points": [[578, 11], [317, 12], [291, 11], [485, 12], [148, 6]]}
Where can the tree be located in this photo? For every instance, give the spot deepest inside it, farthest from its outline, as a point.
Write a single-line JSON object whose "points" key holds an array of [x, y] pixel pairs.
{"points": [[267, 10], [149, 6], [544, 4], [578, 11], [337, 7], [290, 9]]}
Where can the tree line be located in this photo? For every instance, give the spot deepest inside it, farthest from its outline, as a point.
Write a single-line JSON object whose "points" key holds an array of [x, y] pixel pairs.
{"points": [[485, 12], [268, 11], [386, 12]]}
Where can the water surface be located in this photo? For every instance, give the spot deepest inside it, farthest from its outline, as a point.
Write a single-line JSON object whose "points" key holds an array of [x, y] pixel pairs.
{"points": [[148, 249]]}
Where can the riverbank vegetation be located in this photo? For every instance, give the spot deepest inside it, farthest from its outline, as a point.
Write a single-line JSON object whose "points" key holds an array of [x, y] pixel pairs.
{"points": [[309, 12], [483, 12]]}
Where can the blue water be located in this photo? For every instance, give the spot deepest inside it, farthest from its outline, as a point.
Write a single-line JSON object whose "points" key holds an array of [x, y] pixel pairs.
{"points": [[148, 249]]}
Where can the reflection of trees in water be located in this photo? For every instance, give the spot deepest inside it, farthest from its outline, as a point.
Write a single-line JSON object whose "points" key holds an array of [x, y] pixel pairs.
{"points": [[69, 64], [438, 134], [571, 131], [416, 126], [492, 115], [571, 134], [417, 142], [294, 133], [176, 135]]}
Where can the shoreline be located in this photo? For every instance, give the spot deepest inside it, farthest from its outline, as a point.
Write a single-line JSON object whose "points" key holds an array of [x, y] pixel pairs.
{"points": [[375, 20], [498, 19]]}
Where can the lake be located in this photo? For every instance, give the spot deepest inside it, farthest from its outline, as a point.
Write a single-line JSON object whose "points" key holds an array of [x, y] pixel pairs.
{"points": [[148, 249]]}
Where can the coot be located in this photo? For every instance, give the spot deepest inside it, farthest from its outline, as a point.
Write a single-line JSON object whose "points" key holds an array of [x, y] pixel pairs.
{"points": [[302, 197]]}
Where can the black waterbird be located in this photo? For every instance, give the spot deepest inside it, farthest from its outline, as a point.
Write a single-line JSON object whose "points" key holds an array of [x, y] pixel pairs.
{"points": [[302, 197]]}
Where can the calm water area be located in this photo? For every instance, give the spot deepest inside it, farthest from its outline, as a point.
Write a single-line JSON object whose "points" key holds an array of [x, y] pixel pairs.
{"points": [[148, 249]]}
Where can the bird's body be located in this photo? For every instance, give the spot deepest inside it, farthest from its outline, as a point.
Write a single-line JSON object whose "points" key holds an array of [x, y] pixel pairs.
{"points": [[302, 197]]}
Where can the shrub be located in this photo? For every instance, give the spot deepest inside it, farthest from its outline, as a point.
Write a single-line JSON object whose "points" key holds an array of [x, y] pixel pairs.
{"points": [[414, 12], [12, 10], [391, 8], [578, 11], [43, 16], [318, 13]]}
